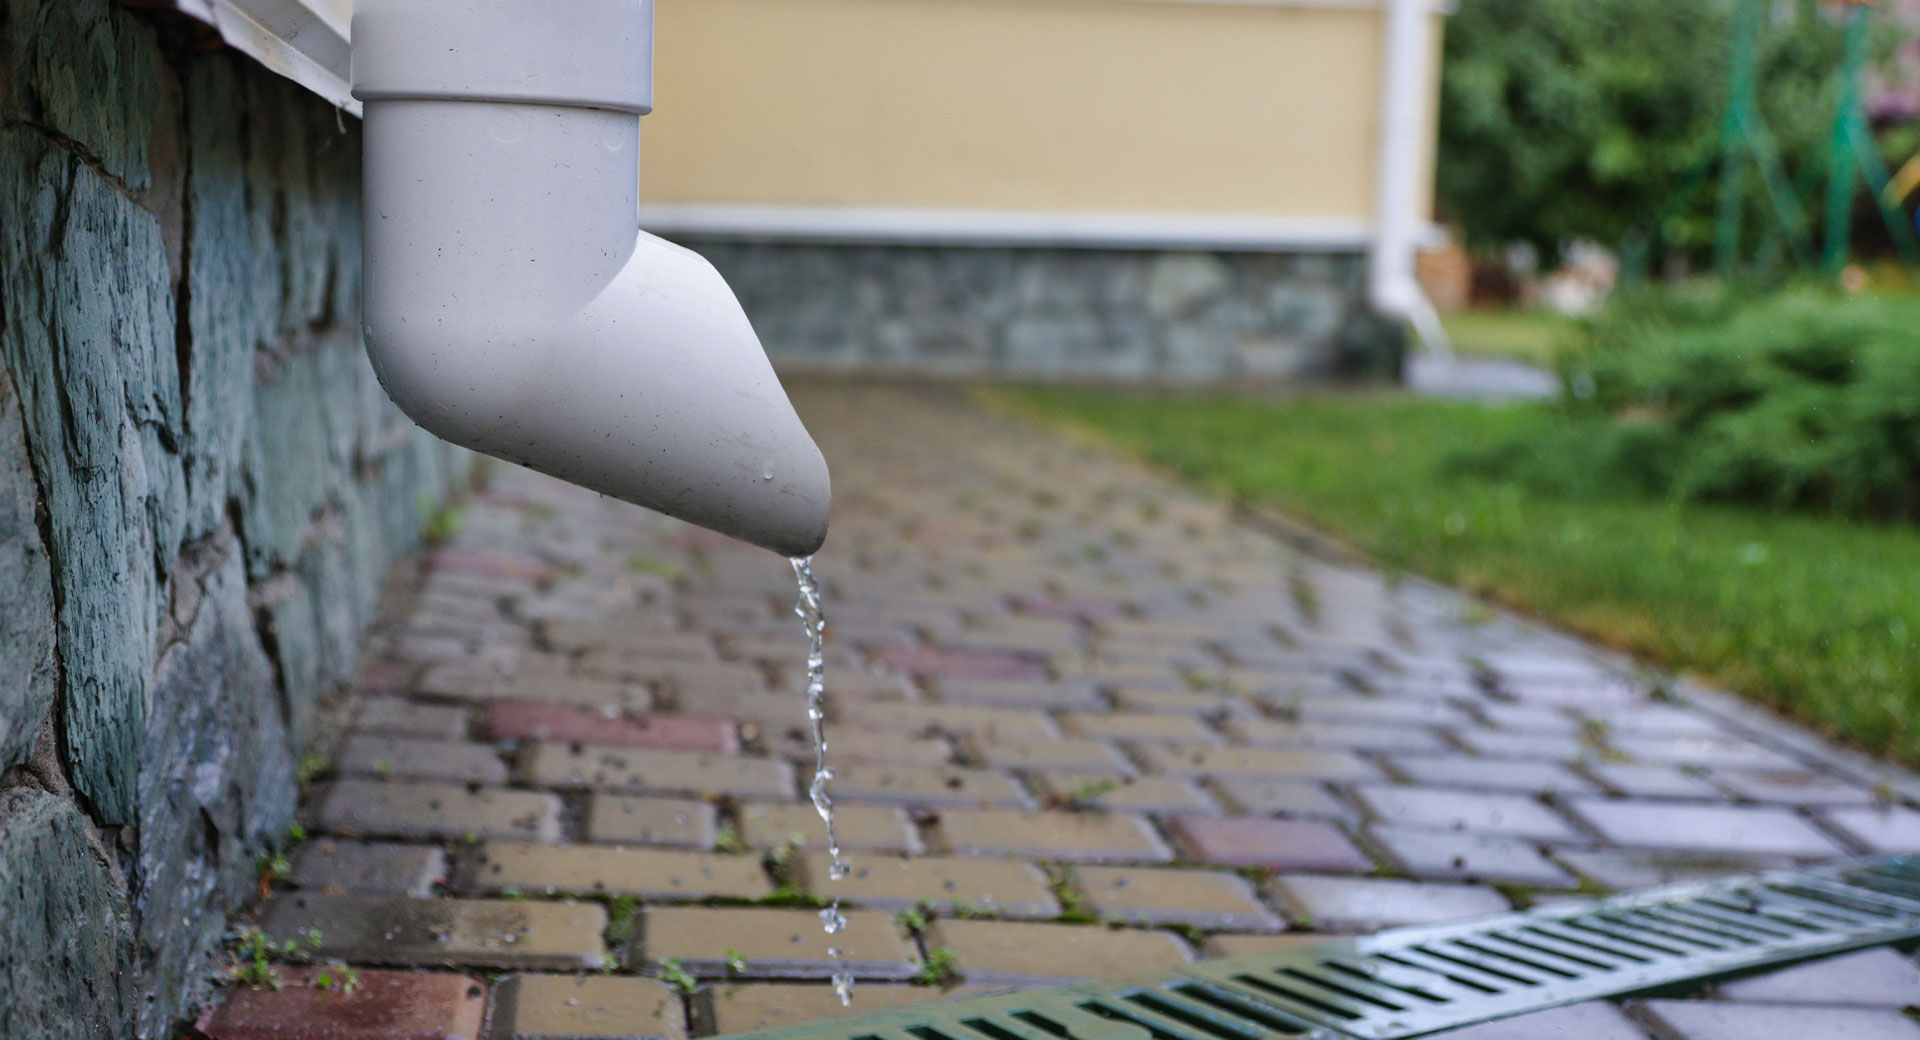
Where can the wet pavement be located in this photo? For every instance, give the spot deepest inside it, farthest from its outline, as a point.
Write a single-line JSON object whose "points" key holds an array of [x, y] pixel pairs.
{"points": [[1085, 722]]}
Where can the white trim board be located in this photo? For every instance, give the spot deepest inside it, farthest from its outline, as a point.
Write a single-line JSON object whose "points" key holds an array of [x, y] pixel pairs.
{"points": [[854, 225]]}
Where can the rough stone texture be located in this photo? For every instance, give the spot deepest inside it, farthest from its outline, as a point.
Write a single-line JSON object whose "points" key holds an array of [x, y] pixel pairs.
{"points": [[60, 978], [1060, 313], [201, 484], [27, 623]]}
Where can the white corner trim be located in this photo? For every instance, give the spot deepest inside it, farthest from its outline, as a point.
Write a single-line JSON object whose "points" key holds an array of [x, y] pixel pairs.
{"points": [[303, 40], [852, 225]]}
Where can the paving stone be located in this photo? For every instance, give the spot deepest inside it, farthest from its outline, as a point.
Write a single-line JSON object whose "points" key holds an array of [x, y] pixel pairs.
{"points": [[573, 634], [1197, 703], [1067, 754], [774, 944], [654, 772], [1536, 747], [1245, 841], [654, 874], [1490, 774], [1870, 978], [1055, 835], [470, 683], [417, 758], [852, 745], [1270, 763], [1879, 829], [1699, 1020], [1150, 794], [872, 828], [411, 809], [740, 1009], [1149, 896], [1326, 734], [369, 868], [606, 727], [1591, 1021], [1142, 727], [1624, 869], [916, 785], [481, 933], [385, 1005], [995, 886], [1706, 828], [995, 952], [1252, 945], [1710, 752], [686, 680], [586, 1007], [1369, 904], [623, 820], [1528, 718], [1279, 797], [1464, 856], [926, 662], [1790, 787], [411, 719], [1017, 693], [1412, 712], [1651, 781], [952, 719], [1481, 811], [1653, 719]]}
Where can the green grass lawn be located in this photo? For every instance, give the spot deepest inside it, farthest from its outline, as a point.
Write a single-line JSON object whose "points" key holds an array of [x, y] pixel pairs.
{"points": [[1813, 615], [1533, 336]]}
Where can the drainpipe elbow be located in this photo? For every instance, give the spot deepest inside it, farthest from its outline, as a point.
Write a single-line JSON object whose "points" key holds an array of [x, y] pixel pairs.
{"points": [[512, 305]]}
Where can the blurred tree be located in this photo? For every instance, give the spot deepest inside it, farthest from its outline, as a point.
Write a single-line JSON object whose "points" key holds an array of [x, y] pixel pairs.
{"points": [[1595, 119]]}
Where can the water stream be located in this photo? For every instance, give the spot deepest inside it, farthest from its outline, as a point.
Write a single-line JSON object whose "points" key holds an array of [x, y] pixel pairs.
{"points": [[807, 606]]}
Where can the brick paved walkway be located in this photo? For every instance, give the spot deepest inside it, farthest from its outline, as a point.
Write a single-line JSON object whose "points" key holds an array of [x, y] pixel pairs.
{"points": [[1086, 723]]}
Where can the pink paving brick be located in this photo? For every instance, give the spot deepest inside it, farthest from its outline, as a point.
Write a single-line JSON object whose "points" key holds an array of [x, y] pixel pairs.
{"points": [[386, 1005], [567, 723], [958, 664], [487, 565], [1248, 841]]}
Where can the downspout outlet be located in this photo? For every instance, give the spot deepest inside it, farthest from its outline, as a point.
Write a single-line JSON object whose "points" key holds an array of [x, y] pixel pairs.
{"points": [[511, 303]]}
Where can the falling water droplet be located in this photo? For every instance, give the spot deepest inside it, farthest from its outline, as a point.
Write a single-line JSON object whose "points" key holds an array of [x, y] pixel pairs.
{"points": [[807, 606], [767, 474]]}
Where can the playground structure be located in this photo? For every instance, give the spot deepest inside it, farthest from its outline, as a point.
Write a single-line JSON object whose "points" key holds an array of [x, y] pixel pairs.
{"points": [[1748, 151]]}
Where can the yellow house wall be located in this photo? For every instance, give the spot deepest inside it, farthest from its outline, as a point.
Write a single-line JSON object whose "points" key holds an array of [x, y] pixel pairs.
{"points": [[1058, 106]]}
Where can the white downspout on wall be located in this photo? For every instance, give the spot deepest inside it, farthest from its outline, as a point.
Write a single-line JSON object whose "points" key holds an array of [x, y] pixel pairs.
{"points": [[1392, 286]]}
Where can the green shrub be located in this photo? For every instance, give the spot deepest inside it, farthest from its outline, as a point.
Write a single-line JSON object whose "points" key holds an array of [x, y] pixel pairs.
{"points": [[1798, 400]]}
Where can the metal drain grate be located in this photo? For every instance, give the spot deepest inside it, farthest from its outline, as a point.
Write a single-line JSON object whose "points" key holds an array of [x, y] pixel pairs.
{"points": [[1414, 981]]}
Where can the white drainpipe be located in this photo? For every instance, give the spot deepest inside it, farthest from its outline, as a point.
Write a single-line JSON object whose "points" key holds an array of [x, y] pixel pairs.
{"points": [[511, 303], [1391, 285]]}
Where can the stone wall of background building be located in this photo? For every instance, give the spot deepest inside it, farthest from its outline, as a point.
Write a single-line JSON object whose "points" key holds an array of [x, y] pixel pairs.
{"points": [[201, 489], [1068, 314]]}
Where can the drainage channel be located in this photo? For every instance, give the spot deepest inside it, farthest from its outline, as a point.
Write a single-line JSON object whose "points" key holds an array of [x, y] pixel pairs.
{"points": [[1411, 982]]}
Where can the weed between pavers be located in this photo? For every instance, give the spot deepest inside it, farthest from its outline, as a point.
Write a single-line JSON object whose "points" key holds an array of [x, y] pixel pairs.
{"points": [[676, 976], [254, 956], [941, 968]]}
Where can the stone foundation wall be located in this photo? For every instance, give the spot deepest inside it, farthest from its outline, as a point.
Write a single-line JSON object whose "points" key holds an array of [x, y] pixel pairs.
{"points": [[201, 488], [1068, 314]]}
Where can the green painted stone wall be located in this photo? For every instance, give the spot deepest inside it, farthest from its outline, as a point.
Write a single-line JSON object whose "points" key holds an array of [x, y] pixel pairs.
{"points": [[201, 489]]}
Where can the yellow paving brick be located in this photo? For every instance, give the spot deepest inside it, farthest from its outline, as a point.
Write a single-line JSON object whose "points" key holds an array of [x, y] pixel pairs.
{"points": [[592, 869], [755, 943], [996, 886]]}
